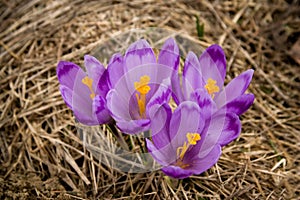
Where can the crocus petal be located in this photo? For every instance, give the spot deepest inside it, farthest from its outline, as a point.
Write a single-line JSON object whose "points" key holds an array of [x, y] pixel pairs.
{"points": [[160, 155], [139, 53], [94, 68], [177, 92], [223, 127], [160, 116], [177, 172], [162, 94], [78, 98], [235, 88], [185, 119], [115, 69], [169, 54], [66, 94], [82, 108], [192, 77], [66, 73], [231, 130], [118, 109], [133, 126], [213, 64], [240, 104], [205, 102], [100, 110], [202, 164]]}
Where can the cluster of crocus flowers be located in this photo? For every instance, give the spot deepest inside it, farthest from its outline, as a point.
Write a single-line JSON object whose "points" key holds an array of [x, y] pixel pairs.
{"points": [[133, 93]]}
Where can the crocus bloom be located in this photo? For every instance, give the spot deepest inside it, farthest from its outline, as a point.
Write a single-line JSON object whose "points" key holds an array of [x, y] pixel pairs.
{"points": [[137, 80], [85, 92], [188, 144], [208, 73]]}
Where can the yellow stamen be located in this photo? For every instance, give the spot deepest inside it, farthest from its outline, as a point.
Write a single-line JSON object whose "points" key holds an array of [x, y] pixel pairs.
{"points": [[211, 87], [192, 138], [182, 165], [143, 88], [89, 82]]}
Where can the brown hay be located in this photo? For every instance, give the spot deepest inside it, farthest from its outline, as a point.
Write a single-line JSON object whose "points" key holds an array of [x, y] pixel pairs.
{"points": [[40, 153]]}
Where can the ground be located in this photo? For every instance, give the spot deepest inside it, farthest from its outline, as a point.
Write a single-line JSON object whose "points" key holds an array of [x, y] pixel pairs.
{"points": [[41, 155]]}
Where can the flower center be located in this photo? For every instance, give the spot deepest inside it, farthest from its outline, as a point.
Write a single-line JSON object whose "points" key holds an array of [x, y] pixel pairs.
{"points": [[89, 82], [192, 138], [211, 87], [142, 88]]}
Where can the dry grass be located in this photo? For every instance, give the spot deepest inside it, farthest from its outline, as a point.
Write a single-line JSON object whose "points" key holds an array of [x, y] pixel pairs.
{"points": [[40, 153]]}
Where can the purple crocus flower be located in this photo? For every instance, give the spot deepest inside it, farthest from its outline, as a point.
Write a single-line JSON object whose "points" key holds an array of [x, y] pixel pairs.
{"points": [[85, 92], [184, 143], [137, 80], [208, 73]]}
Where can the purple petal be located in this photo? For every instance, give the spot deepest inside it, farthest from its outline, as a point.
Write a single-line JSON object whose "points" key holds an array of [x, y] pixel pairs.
{"points": [[231, 130], [134, 126], [213, 64], [67, 72], [169, 54], [115, 69], [240, 104], [185, 119], [205, 102], [139, 53], [177, 172], [100, 110], [223, 127], [103, 85], [160, 116], [177, 92], [157, 73], [98, 73], [82, 108], [162, 94], [235, 88], [118, 105], [94, 68], [160, 155], [202, 164], [192, 77], [66, 94]]}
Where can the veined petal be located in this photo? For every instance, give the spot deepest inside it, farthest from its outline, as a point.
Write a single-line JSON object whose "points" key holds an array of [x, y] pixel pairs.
{"points": [[118, 105], [160, 116], [160, 155], [222, 128], [139, 53], [169, 54], [177, 92], [192, 77], [133, 126], [231, 130], [205, 102], [67, 95], [82, 108], [100, 110], [115, 69], [97, 72], [185, 119], [177, 172], [240, 104], [213, 64], [200, 165], [162, 94], [68, 73], [235, 88], [94, 68]]}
